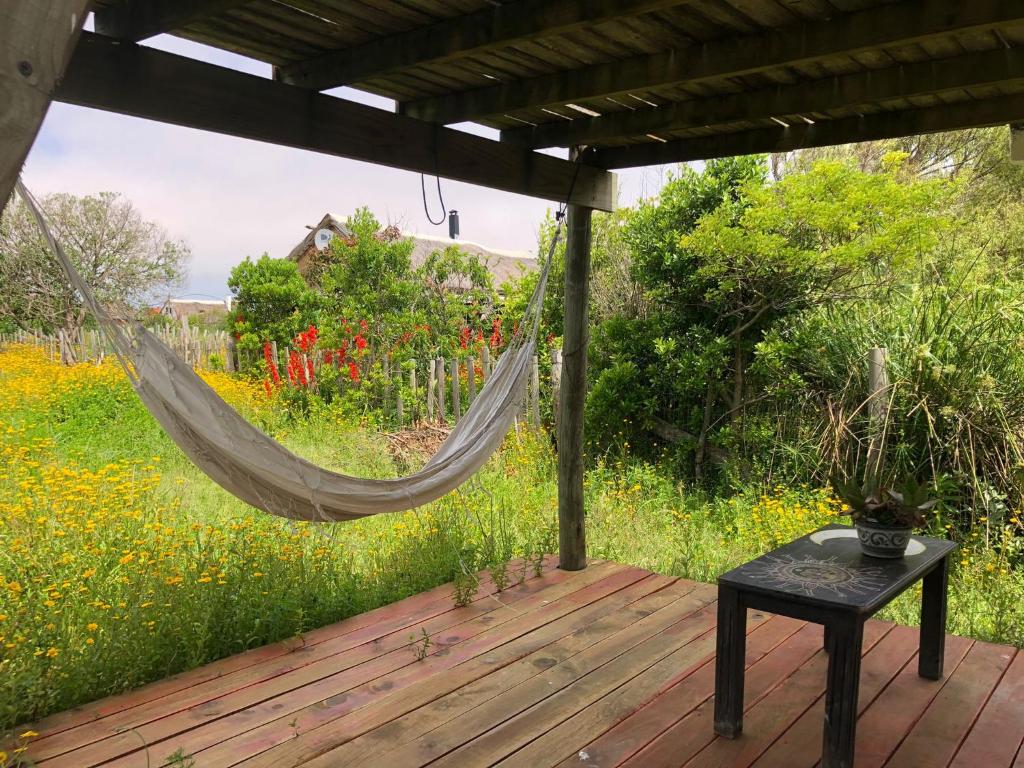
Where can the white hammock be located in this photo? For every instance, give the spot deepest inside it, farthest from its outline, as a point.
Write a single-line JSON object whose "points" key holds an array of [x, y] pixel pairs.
{"points": [[260, 471]]}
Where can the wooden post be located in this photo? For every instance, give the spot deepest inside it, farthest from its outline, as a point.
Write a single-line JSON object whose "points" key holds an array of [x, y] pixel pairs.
{"points": [[556, 383], [535, 393], [431, 384], [471, 379], [412, 387], [439, 368], [37, 39], [572, 545], [456, 392], [485, 364], [878, 389]]}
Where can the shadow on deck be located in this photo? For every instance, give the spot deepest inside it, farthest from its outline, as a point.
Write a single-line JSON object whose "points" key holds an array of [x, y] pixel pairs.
{"points": [[604, 667]]}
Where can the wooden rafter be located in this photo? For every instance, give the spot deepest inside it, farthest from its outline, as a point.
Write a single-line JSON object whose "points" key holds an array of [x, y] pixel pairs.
{"points": [[783, 101], [461, 36], [882, 125], [138, 19], [892, 25], [144, 82]]}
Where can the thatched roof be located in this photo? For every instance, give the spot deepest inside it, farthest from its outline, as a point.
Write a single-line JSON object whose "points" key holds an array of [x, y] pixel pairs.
{"points": [[503, 264]]}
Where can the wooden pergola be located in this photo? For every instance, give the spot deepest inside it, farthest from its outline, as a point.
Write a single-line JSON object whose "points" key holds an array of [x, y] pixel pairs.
{"points": [[620, 82]]}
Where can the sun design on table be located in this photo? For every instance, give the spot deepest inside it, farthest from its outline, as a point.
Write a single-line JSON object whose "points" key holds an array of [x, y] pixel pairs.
{"points": [[807, 575]]}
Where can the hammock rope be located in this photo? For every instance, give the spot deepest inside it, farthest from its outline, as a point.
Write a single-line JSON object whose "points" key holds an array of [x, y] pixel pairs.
{"points": [[258, 470]]}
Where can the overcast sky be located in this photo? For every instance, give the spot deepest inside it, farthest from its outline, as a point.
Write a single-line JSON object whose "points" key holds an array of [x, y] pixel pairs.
{"points": [[229, 198]]}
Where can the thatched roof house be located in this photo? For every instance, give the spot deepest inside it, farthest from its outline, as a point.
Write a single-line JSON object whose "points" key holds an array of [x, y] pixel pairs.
{"points": [[504, 265]]}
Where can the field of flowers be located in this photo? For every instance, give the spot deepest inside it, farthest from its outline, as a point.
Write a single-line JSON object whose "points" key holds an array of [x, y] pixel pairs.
{"points": [[120, 563]]}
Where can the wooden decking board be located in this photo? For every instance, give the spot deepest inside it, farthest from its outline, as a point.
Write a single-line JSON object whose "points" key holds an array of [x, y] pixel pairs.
{"points": [[799, 746], [657, 679], [409, 610], [892, 715], [998, 733], [770, 716], [222, 697], [491, 718], [626, 737], [108, 716], [610, 666], [937, 735], [320, 702], [390, 722]]}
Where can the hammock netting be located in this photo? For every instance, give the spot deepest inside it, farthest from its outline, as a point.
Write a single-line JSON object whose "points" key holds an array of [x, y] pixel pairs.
{"points": [[262, 472]]}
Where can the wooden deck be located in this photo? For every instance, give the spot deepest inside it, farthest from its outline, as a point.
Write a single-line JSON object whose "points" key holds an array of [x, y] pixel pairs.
{"points": [[603, 667]]}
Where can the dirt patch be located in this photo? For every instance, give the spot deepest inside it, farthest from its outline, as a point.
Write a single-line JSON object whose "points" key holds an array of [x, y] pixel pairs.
{"points": [[412, 447]]}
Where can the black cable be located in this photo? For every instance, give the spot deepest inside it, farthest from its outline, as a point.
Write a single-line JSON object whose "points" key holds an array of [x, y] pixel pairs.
{"points": [[426, 211]]}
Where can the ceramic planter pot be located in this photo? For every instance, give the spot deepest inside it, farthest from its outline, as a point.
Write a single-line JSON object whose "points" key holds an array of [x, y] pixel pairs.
{"points": [[878, 540]]}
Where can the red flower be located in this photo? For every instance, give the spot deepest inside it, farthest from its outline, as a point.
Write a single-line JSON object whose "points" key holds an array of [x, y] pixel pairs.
{"points": [[360, 342], [266, 388], [328, 357], [353, 371], [464, 337], [496, 333], [268, 356], [364, 326], [309, 369]]}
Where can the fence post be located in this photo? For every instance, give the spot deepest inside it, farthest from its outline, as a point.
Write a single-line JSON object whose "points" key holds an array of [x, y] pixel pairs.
{"points": [[412, 387], [471, 379], [439, 367], [485, 364], [456, 392], [556, 383], [878, 388], [535, 387], [431, 384]]}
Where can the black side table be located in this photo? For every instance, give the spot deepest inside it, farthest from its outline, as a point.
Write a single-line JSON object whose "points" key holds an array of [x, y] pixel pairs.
{"points": [[823, 577]]}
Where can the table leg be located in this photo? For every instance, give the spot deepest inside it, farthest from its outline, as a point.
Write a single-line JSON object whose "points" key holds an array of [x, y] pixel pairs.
{"points": [[845, 640], [933, 622], [730, 663], [828, 639]]}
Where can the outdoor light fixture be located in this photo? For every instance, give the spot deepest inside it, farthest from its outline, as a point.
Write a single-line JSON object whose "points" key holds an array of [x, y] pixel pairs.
{"points": [[453, 224]]}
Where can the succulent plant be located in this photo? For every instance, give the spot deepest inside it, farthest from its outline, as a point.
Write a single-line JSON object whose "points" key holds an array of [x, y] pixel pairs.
{"points": [[899, 507]]}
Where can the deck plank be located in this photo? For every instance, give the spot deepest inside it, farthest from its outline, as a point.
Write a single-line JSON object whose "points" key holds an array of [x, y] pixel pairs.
{"points": [[390, 722], [892, 715], [800, 745], [631, 734], [396, 615], [938, 734], [222, 696], [998, 734], [609, 666]]}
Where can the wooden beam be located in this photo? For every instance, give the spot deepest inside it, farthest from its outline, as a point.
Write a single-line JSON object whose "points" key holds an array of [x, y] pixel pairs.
{"points": [[572, 538], [473, 33], [881, 125], [1002, 65], [138, 19], [36, 41], [143, 82], [899, 23]]}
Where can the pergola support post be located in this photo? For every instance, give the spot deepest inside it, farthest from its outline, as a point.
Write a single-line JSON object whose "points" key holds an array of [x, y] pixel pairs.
{"points": [[572, 542]]}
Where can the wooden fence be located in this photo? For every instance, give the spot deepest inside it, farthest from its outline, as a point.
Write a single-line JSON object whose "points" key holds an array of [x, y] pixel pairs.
{"points": [[414, 390]]}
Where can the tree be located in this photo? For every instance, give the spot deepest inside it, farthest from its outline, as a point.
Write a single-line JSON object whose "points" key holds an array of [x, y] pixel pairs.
{"points": [[126, 259], [271, 302]]}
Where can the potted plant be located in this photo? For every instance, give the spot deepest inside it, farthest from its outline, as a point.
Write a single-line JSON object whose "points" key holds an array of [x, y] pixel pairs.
{"points": [[884, 515]]}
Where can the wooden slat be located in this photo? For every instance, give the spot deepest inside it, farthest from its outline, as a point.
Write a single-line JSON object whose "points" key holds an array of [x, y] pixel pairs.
{"points": [[997, 735], [800, 745], [937, 735], [628, 736], [891, 715], [126, 78], [485, 30], [36, 40], [801, 99], [136, 20], [356, 686], [362, 650], [371, 625], [386, 724], [731, 57], [883, 125], [616, 706]]}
